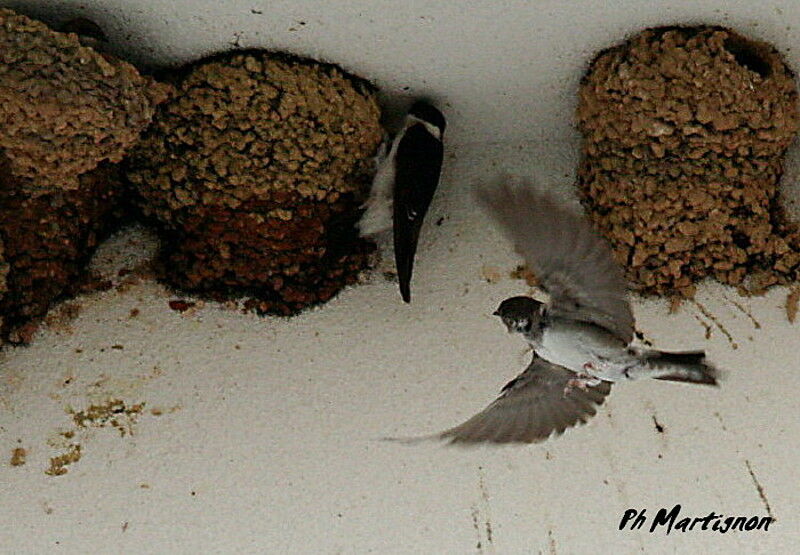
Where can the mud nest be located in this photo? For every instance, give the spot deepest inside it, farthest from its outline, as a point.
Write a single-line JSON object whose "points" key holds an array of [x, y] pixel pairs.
{"points": [[684, 133], [64, 107], [253, 172], [67, 113], [49, 239]]}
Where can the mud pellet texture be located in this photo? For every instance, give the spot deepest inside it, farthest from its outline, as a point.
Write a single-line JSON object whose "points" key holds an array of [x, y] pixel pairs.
{"points": [[65, 107], [69, 113], [254, 172], [684, 133], [49, 239]]}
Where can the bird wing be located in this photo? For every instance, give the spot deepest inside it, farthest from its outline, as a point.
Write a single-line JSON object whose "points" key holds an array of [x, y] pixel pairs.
{"points": [[572, 262], [531, 407], [417, 169]]}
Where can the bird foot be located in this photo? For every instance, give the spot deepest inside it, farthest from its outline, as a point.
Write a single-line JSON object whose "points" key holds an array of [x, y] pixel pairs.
{"points": [[581, 381]]}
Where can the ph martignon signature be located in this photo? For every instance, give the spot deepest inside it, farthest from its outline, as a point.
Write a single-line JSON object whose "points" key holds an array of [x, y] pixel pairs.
{"points": [[635, 519]]}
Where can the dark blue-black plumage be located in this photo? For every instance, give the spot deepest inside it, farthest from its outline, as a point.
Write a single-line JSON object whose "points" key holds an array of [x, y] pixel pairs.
{"points": [[418, 165]]}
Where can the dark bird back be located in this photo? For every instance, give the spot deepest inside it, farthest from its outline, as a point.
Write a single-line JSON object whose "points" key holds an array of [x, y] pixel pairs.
{"points": [[418, 166]]}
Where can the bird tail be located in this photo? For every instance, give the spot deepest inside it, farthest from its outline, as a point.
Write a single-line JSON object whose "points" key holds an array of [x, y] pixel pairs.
{"points": [[689, 366]]}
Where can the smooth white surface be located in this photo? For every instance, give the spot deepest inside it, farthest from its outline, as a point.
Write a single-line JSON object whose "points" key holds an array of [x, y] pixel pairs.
{"points": [[274, 446]]}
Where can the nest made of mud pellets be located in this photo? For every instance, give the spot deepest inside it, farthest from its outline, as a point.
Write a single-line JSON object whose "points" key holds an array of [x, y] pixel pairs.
{"points": [[253, 172], [64, 107], [684, 132], [49, 240], [67, 113]]}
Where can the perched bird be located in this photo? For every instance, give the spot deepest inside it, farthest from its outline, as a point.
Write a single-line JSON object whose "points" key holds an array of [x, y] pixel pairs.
{"points": [[404, 185], [587, 324]]}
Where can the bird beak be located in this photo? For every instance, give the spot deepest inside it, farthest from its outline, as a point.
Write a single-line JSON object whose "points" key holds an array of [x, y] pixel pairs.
{"points": [[496, 313]]}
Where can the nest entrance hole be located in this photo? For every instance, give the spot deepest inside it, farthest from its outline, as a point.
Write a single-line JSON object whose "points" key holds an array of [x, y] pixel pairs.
{"points": [[747, 55]]}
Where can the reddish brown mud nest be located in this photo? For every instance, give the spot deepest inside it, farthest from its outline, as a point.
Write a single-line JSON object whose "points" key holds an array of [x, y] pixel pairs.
{"points": [[684, 133], [49, 239], [67, 112], [253, 172]]}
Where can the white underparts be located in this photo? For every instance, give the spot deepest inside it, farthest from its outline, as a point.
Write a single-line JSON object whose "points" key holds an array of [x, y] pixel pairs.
{"points": [[379, 206], [584, 352]]}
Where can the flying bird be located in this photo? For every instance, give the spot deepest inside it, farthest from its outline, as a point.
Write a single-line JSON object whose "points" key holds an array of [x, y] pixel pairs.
{"points": [[531, 408], [404, 185], [587, 326], [581, 338]]}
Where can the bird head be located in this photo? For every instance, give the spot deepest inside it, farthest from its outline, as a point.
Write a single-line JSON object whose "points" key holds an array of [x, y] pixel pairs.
{"points": [[519, 314], [427, 112]]}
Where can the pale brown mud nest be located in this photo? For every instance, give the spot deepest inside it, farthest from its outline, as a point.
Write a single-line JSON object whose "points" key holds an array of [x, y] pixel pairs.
{"points": [[65, 108], [684, 133], [67, 114], [253, 172]]}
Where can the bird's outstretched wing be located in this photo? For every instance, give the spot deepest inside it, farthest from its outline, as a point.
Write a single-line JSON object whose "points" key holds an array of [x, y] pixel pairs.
{"points": [[572, 262], [531, 407], [419, 164]]}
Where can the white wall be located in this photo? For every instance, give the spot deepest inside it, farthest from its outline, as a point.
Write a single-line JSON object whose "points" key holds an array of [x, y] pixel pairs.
{"points": [[267, 441], [505, 70]]}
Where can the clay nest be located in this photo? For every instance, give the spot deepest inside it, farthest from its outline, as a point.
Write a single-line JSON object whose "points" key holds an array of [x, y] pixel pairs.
{"points": [[68, 112], [254, 172], [49, 239], [684, 133], [65, 108], [4, 269]]}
